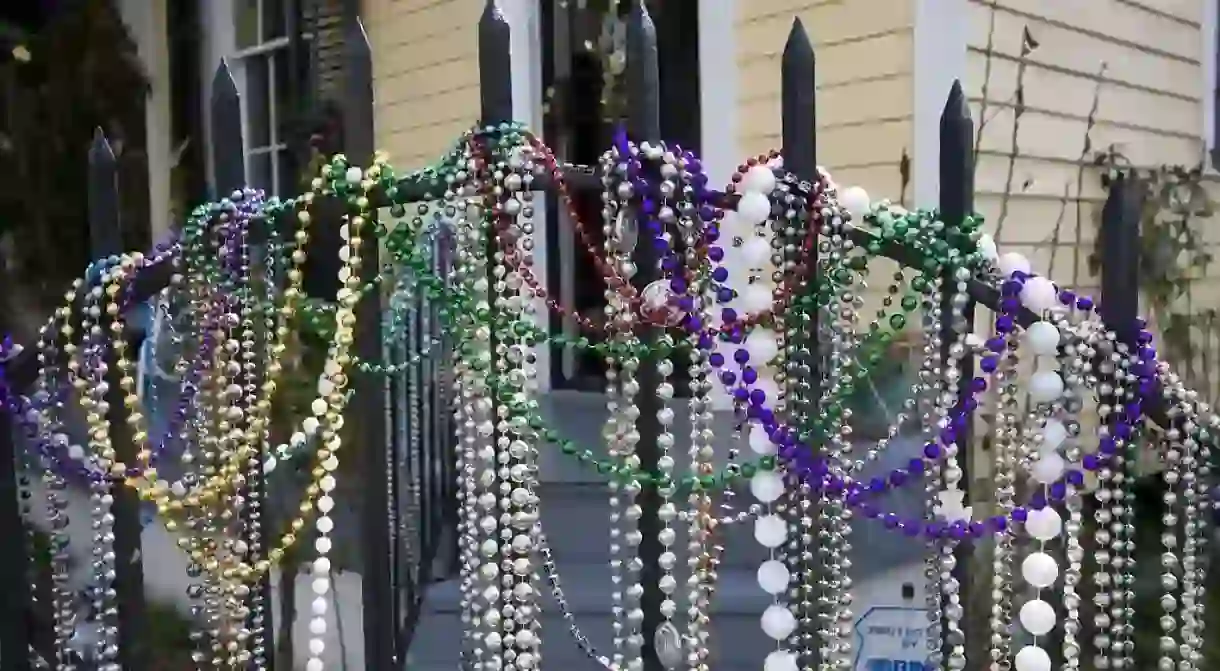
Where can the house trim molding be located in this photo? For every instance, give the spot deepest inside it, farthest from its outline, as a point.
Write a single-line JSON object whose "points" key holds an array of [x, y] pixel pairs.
{"points": [[525, 50], [941, 36], [718, 75], [146, 23], [1208, 59]]}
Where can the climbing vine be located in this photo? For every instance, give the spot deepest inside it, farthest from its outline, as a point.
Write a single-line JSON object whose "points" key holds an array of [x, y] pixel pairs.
{"points": [[1173, 256]]}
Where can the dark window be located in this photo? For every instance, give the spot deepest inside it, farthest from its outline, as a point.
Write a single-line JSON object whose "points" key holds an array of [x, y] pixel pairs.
{"points": [[582, 82]]}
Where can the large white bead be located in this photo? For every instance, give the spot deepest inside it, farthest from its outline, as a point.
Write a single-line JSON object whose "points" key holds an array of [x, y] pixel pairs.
{"points": [[780, 660], [1039, 294], [1048, 468], [1045, 386], [1053, 435], [762, 345], [1040, 569], [760, 442], [773, 576], [766, 486], [1042, 338], [778, 622], [759, 179], [855, 200], [755, 299], [770, 531], [1033, 658], [1044, 524], [1038, 617], [755, 252], [753, 208], [733, 226], [1013, 262]]}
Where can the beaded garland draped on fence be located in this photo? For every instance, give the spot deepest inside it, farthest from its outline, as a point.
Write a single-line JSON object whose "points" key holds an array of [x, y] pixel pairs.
{"points": [[760, 288]]}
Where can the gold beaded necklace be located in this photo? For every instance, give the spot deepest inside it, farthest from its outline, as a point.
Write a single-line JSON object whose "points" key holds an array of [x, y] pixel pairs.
{"points": [[231, 568]]}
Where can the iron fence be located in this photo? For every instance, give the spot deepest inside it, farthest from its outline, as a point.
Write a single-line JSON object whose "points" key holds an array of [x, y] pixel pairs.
{"points": [[407, 478]]}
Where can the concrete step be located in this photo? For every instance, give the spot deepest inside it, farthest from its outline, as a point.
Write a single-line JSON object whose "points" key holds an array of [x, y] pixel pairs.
{"points": [[738, 643], [735, 612], [579, 416], [576, 520]]}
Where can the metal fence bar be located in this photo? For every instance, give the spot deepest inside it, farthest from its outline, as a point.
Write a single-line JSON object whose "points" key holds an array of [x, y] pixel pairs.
{"points": [[229, 158], [495, 108], [1120, 243], [377, 594], [106, 239], [798, 111], [956, 204], [644, 125], [15, 592]]}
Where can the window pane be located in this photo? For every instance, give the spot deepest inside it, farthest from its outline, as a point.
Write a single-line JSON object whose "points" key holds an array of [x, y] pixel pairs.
{"points": [[273, 19], [245, 22], [260, 172], [285, 105], [258, 111]]}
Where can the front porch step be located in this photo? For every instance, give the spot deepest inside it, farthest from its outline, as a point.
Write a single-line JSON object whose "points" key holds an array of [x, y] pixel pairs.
{"points": [[735, 612], [576, 521]]}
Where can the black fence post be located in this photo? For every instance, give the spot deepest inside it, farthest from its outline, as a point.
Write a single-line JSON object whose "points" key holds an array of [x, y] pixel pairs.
{"points": [[1120, 246], [798, 110], [644, 125], [229, 160], [956, 206], [1119, 307], [15, 634], [495, 108], [377, 590], [228, 143], [106, 239]]}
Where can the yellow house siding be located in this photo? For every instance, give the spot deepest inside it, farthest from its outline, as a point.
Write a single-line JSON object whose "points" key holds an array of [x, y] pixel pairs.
{"points": [[426, 75], [1149, 107], [864, 100]]}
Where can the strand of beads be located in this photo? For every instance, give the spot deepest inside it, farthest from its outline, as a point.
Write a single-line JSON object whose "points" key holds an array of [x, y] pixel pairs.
{"points": [[703, 555], [87, 364], [510, 221], [469, 417], [1074, 503], [619, 233], [353, 184]]}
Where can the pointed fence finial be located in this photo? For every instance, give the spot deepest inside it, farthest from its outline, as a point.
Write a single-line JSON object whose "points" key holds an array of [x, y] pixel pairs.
{"points": [[358, 117], [495, 66], [643, 75], [798, 104], [1120, 247], [228, 144], [105, 232], [100, 150], [956, 158]]}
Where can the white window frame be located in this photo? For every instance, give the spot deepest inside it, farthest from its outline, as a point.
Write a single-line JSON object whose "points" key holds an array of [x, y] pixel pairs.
{"points": [[219, 20], [1211, 86]]}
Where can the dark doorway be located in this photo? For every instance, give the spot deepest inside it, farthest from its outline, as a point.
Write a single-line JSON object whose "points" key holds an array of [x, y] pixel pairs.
{"points": [[582, 107]]}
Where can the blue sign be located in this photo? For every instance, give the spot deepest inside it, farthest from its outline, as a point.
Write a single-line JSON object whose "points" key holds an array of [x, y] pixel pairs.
{"points": [[879, 664], [892, 638]]}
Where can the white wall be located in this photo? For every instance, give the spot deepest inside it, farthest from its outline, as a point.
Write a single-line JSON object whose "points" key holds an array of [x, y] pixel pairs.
{"points": [[146, 20]]}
